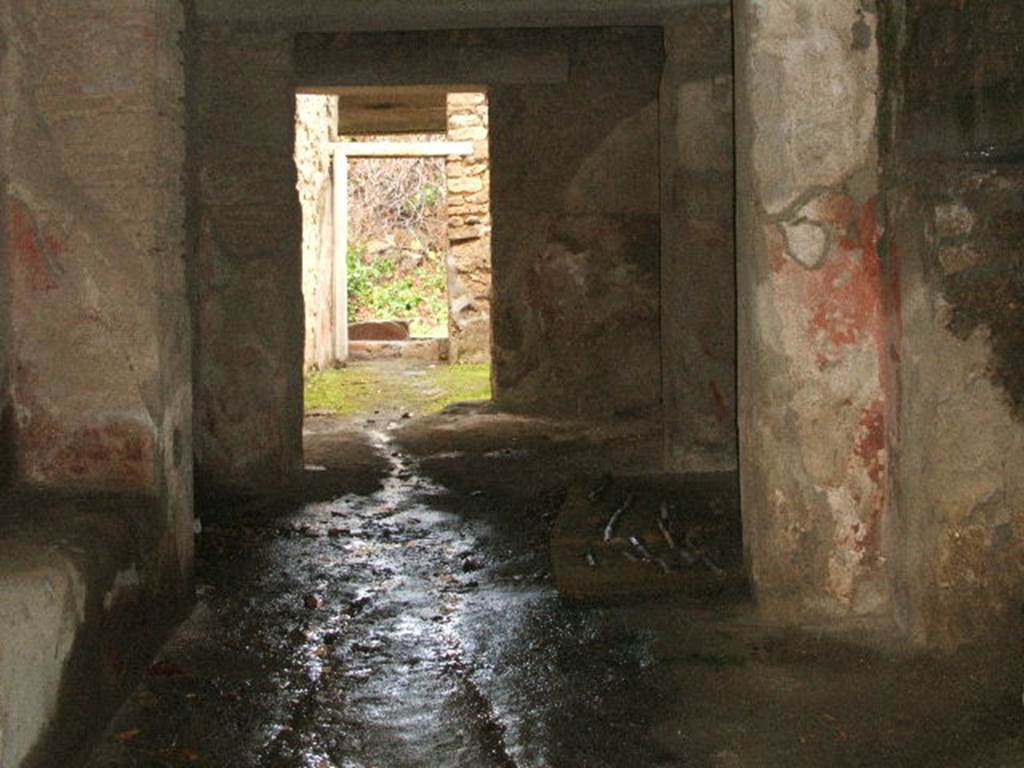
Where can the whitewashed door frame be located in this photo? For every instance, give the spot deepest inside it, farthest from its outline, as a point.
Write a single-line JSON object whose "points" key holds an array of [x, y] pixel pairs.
{"points": [[343, 151]]}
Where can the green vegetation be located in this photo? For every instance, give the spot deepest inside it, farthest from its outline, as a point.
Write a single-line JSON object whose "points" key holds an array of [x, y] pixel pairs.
{"points": [[388, 286], [398, 235], [363, 388]]}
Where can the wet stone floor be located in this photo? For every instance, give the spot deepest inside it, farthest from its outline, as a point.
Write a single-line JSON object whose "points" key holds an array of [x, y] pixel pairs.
{"points": [[401, 610]]}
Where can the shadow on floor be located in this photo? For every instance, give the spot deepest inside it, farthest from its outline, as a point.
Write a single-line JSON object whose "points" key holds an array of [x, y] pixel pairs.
{"points": [[417, 622]]}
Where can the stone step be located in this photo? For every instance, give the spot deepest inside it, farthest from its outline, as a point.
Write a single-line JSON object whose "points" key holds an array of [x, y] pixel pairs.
{"points": [[413, 349]]}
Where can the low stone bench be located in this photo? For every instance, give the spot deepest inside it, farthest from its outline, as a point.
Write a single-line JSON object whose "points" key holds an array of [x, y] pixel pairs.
{"points": [[413, 349], [379, 330], [86, 596]]}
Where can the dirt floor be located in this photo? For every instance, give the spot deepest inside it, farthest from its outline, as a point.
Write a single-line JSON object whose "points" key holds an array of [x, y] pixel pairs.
{"points": [[441, 594]]}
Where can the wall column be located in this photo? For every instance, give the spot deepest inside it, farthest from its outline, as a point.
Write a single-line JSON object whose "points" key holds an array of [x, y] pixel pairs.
{"points": [[340, 272], [814, 379], [249, 291], [698, 286], [469, 231]]}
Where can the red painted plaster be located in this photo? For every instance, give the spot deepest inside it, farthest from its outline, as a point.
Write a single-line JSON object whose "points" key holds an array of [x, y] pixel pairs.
{"points": [[846, 302], [722, 409], [31, 267], [871, 444]]}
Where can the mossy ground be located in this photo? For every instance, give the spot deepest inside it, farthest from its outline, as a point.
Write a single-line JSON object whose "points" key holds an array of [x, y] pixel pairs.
{"points": [[420, 388]]}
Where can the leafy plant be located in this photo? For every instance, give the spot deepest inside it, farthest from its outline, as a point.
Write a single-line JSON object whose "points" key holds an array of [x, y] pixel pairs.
{"points": [[382, 287], [398, 236]]}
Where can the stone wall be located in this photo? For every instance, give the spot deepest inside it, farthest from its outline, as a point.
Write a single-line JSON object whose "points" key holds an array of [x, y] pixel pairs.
{"points": [[881, 373], [469, 231], [698, 275], [249, 272], [94, 203], [953, 157], [7, 467], [316, 123], [815, 380], [97, 542], [575, 251], [973, 94], [577, 210], [575, 201]]}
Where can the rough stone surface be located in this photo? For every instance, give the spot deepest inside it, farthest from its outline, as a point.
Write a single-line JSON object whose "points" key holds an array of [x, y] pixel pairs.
{"points": [[411, 349], [469, 232], [955, 233], [379, 330], [698, 286], [973, 96], [575, 250], [94, 203], [316, 123], [249, 285], [961, 500], [815, 379], [96, 364], [87, 590], [817, 78]]}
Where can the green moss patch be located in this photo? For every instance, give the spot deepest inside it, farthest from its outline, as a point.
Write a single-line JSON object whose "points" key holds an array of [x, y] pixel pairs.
{"points": [[363, 388]]}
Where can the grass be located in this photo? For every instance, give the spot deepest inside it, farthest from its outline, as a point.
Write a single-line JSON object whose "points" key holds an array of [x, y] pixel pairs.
{"points": [[368, 387]]}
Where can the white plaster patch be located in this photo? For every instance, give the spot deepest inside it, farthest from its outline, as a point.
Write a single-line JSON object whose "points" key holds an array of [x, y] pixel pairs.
{"points": [[954, 220], [807, 243], [813, 97], [124, 581], [41, 608], [957, 258]]}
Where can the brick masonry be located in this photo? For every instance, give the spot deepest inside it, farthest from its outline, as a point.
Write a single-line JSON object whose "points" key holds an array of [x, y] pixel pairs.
{"points": [[469, 231]]}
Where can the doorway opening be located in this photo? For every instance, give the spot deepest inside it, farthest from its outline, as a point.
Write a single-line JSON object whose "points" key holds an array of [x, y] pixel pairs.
{"points": [[395, 192]]}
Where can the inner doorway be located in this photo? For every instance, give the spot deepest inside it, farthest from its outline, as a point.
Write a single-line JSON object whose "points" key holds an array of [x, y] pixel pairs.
{"points": [[394, 185]]}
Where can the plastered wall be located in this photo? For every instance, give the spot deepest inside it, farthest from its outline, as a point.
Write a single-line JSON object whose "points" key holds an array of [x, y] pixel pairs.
{"points": [[100, 347], [95, 362], [316, 123], [954, 146], [576, 240], [816, 390], [248, 291], [698, 276]]}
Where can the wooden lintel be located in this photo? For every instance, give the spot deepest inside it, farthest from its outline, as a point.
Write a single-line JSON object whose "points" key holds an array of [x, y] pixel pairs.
{"points": [[403, 148]]}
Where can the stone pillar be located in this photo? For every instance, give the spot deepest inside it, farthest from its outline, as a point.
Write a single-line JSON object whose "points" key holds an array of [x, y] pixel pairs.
{"points": [[316, 122], [93, 206], [469, 232], [7, 462], [814, 382], [698, 287], [956, 229], [249, 287], [340, 252]]}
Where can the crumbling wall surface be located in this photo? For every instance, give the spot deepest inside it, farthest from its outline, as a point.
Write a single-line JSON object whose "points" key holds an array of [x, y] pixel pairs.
{"points": [[98, 344], [6, 331], [95, 212], [316, 121], [814, 380], [698, 286], [469, 231], [955, 178], [248, 289], [957, 84], [575, 249]]}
